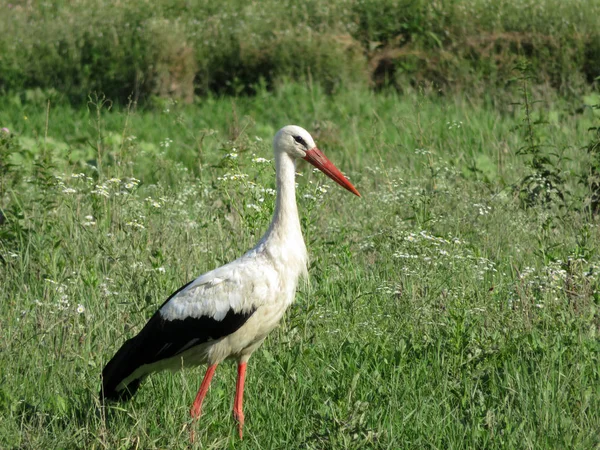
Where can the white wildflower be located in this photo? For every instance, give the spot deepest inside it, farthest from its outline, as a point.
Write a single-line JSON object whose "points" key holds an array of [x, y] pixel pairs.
{"points": [[135, 224], [166, 143], [153, 202], [101, 190]]}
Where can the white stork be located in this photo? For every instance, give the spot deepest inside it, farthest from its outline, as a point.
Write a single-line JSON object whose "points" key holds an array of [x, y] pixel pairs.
{"points": [[228, 312]]}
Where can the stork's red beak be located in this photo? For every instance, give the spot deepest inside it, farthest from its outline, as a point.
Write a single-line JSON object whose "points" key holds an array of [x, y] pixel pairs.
{"points": [[321, 162]]}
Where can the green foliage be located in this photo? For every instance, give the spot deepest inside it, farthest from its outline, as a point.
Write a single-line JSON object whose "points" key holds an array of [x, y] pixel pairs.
{"points": [[544, 184], [439, 313], [591, 178], [180, 49]]}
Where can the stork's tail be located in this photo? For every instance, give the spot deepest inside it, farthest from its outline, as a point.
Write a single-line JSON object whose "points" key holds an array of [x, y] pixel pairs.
{"points": [[118, 369]]}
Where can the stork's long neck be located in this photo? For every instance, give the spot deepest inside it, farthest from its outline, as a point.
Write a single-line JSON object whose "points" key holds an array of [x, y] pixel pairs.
{"points": [[286, 223]]}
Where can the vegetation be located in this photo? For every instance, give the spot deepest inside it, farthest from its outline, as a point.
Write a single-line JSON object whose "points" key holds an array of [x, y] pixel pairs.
{"points": [[181, 48], [442, 312], [456, 305]]}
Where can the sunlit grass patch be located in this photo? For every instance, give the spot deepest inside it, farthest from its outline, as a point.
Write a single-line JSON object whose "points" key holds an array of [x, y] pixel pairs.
{"points": [[441, 311]]}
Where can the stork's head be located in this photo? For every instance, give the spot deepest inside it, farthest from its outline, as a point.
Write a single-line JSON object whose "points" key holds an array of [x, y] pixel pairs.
{"points": [[298, 143]]}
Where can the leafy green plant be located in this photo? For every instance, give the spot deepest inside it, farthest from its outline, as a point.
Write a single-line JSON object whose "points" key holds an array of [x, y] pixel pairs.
{"points": [[591, 179], [544, 184]]}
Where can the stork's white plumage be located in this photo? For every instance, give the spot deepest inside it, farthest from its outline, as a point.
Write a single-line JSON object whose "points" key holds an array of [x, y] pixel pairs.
{"points": [[228, 312]]}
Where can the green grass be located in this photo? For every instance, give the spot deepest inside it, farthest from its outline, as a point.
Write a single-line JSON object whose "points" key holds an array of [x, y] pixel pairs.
{"points": [[181, 48], [441, 311]]}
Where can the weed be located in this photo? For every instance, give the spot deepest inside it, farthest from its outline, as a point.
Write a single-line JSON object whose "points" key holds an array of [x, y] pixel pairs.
{"points": [[591, 179], [544, 184]]}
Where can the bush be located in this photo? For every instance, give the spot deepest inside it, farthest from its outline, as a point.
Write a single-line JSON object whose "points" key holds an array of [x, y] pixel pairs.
{"points": [[177, 48]]}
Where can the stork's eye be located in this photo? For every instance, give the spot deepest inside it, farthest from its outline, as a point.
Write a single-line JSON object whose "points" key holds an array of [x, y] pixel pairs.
{"points": [[299, 140]]}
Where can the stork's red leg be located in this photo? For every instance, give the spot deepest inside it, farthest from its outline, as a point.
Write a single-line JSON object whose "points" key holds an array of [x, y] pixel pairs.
{"points": [[238, 404], [196, 409]]}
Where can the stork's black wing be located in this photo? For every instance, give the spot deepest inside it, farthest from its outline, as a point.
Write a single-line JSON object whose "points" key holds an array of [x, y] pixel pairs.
{"points": [[162, 339]]}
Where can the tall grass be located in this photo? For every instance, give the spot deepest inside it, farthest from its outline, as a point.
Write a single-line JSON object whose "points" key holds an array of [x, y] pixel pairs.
{"points": [[179, 48], [441, 311]]}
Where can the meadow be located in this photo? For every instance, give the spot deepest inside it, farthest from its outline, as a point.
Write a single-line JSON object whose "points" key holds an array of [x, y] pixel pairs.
{"points": [[455, 305]]}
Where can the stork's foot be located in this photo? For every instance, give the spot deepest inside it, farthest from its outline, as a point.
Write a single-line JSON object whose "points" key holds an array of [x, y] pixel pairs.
{"points": [[238, 415]]}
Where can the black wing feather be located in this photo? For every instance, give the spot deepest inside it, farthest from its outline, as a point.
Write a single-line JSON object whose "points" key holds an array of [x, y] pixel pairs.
{"points": [[162, 339]]}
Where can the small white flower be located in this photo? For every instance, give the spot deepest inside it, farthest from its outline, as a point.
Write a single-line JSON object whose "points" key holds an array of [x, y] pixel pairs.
{"points": [[153, 202], [102, 191], [260, 160], [69, 191], [80, 309], [166, 143], [161, 270], [135, 224]]}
